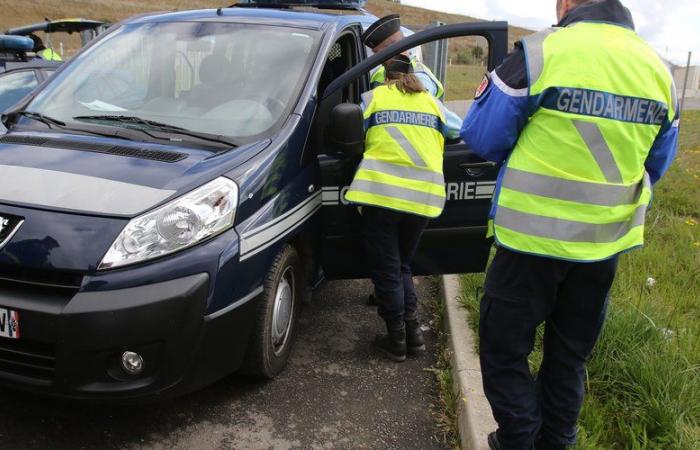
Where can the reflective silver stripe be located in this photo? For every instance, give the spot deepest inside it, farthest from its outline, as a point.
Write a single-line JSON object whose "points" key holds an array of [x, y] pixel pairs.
{"points": [[409, 173], [674, 98], [575, 191], [406, 145], [595, 141], [387, 190], [256, 240], [443, 109], [534, 51], [367, 98], [419, 67], [84, 193], [567, 230], [507, 89]]}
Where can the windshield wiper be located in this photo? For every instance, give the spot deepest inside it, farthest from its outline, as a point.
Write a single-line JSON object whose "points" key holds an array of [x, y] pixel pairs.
{"points": [[52, 122], [49, 121], [152, 124]]}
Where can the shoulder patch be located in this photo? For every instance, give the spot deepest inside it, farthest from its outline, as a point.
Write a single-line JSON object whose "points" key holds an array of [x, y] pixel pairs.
{"points": [[482, 87]]}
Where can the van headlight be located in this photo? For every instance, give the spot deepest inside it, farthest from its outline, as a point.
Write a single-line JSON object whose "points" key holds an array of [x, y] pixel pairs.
{"points": [[181, 223]]}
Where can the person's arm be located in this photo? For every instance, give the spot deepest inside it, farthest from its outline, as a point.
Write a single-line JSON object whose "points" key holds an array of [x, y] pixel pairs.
{"points": [[500, 111], [453, 123], [664, 149]]}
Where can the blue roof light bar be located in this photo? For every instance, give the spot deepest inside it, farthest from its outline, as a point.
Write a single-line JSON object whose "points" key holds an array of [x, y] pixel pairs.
{"points": [[15, 43]]}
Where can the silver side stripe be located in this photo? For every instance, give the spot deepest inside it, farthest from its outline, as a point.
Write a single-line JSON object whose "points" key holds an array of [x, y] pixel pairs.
{"points": [[595, 141], [407, 147], [567, 230], [409, 173], [266, 235], [534, 51], [236, 304], [330, 196], [574, 191], [387, 190], [84, 193], [507, 89]]}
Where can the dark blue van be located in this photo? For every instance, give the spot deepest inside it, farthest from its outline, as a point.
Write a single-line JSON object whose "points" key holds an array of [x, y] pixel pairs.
{"points": [[173, 194]]}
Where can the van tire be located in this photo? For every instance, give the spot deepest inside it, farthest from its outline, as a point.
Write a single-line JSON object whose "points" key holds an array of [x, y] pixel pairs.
{"points": [[270, 343]]}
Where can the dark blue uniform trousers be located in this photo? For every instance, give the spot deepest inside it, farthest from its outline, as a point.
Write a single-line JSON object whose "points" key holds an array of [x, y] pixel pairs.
{"points": [[391, 239], [521, 292]]}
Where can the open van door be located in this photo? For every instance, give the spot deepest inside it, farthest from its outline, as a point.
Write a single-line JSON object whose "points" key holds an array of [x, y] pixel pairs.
{"points": [[455, 242]]}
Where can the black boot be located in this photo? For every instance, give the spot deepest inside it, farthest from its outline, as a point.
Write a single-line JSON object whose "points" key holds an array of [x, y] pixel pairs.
{"points": [[414, 336], [393, 344]]}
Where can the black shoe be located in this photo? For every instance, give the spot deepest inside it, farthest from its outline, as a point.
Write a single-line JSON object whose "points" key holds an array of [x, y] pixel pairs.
{"points": [[393, 344], [414, 336], [493, 441]]}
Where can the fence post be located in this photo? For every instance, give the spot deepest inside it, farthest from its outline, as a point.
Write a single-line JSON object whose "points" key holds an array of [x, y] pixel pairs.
{"points": [[435, 56], [685, 83]]}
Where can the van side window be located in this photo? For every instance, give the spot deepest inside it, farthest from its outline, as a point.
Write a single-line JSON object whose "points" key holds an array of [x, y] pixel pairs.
{"points": [[341, 57]]}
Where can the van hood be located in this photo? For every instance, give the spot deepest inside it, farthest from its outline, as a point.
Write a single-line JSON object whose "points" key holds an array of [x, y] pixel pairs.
{"points": [[102, 176], [65, 198]]}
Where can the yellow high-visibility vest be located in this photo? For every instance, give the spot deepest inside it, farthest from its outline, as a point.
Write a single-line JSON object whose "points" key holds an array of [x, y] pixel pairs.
{"points": [[50, 55], [575, 186], [402, 164]]}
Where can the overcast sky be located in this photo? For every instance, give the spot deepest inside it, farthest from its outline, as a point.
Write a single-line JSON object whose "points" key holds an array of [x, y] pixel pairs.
{"points": [[670, 26]]}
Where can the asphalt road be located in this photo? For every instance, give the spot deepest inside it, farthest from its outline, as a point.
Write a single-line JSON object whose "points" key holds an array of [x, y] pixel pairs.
{"points": [[336, 393]]}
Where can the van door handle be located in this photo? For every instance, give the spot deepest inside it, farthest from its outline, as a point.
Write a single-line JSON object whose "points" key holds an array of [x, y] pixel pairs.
{"points": [[478, 165]]}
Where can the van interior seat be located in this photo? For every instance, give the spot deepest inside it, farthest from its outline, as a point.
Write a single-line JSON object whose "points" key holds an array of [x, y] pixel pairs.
{"points": [[216, 76]]}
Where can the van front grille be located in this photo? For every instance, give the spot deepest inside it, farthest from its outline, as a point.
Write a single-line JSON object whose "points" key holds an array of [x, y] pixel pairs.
{"points": [[28, 359]]}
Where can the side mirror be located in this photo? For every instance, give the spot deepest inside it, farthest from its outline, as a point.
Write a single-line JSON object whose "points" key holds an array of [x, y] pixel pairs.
{"points": [[346, 129]]}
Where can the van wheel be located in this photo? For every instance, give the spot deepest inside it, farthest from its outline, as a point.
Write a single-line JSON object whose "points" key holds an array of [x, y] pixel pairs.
{"points": [[273, 334]]}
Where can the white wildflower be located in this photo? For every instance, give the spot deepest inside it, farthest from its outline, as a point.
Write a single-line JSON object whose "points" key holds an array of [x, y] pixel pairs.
{"points": [[666, 333]]}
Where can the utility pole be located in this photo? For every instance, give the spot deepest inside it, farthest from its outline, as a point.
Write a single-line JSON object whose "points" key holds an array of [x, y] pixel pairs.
{"points": [[685, 83]]}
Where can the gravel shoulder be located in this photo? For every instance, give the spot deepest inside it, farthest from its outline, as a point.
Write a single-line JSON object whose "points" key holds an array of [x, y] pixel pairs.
{"points": [[336, 393]]}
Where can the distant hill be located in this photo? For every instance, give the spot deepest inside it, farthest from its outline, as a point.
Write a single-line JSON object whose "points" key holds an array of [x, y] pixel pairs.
{"points": [[20, 12], [411, 15]]}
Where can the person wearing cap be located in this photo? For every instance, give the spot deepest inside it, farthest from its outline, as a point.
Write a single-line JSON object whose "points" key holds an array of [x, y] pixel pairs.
{"points": [[42, 51], [400, 187], [386, 31], [380, 35]]}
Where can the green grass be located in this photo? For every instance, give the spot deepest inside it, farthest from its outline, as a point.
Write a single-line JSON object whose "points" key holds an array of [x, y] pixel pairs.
{"points": [[445, 411], [643, 384], [461, 81]]}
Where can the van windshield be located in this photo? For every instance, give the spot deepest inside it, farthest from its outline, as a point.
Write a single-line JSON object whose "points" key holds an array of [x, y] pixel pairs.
{"points": [[222, 79]]}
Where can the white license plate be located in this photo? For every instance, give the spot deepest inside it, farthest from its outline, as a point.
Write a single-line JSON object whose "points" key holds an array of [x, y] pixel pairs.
{"points": [[9, 323]]}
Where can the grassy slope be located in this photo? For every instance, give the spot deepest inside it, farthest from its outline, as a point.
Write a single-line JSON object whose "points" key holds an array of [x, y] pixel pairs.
{"points": [[19, 12], [644, 377], [461, 80]]}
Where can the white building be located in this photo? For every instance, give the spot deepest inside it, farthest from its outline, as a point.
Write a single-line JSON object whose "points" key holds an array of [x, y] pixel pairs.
{"points": [[693, 89]]}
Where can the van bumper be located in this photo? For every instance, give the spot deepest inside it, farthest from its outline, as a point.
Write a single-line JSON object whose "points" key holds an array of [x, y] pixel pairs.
{"points": [[72, 347]]}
